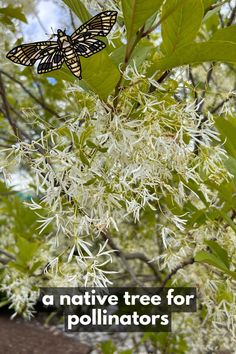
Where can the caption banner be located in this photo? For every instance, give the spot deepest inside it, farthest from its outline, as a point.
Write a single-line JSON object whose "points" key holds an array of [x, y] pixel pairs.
{"points": [[119, 309]]}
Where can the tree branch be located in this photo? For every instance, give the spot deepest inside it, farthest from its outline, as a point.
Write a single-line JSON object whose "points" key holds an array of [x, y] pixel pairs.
{"points": [[128, 53], [121, 255], [215, 109], [8, 255], [232, 17], [174, 271], [7, 109], [191, 78], [42, 104], [142, 257], [72, 20]]}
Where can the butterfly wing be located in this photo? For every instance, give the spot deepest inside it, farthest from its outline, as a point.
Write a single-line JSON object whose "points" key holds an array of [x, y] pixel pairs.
{"points": [[99, 25], [89, 47], [83, 38], [53, 60], [28, 54], [82, 41]]}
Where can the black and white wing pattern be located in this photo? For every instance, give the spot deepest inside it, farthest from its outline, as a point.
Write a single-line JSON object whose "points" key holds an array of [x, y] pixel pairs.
{"points": [[28, 54], [88, 47], [100, 25], [53, 60], [82, 42]]}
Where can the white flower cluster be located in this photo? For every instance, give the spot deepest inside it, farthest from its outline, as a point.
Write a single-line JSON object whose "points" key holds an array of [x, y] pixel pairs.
{"points": [[20, 293], [99, 170]]}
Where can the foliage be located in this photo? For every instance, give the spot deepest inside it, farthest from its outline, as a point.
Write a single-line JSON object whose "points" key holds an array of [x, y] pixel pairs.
{"points": [[132, 170]]}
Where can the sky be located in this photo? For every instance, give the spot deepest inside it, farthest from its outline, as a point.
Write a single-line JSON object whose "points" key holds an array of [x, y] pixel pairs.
{"points": [[51, 15]]}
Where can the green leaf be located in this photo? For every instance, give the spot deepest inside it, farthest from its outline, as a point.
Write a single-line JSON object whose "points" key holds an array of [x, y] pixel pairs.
{"points": [[227, 130], [79, 9], [230, 164], [209, 258], [151, 22], [6, 20], [211, 21], [90, 182], [24, 218], [182, 25], [218, 251], [91, 144], [218, 259], [108, 347], [226, 217], [62, 74], [136, 13], [196, 53], [14, 12], [27, 250], [36, 266], [86, 133], [212, 13], [83, 158], [226, 190], [139, 54], [223, 293], [4, 303], [100, 73], [207, 3], [225, 34]]}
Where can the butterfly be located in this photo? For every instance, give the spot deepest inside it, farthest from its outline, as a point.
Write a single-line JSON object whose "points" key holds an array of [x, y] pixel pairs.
{"points": [[52, 54]]}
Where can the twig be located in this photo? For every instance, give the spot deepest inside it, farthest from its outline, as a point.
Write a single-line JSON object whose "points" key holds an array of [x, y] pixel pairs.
{"points": [[128, 54], [215, 109], [4, 261], [121, 255], [7, 254], [162, 19], [208, 79], [129, 50], [221, 20], [191, 77], [174, 271], [72, 20], [159, 81], [43, 105], [214, 6], [17, 113], [142, 257], [232, 17], [6, 108], [40, 91], [39, 21]]}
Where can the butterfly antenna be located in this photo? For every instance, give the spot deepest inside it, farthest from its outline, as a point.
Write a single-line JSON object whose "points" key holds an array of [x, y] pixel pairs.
{"points": [[52, 35]]}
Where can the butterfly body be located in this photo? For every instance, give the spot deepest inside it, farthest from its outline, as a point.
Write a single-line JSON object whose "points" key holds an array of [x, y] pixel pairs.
{"points": [[52, 54]]}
